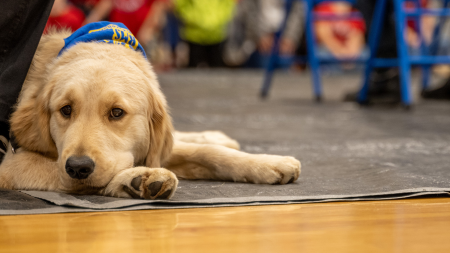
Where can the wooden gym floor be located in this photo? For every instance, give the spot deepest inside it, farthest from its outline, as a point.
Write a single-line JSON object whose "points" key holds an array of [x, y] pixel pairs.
{"points": [[411, 225]]}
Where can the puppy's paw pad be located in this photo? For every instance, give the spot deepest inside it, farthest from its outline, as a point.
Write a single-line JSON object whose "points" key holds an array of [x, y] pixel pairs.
{"points": [[134, 188], [130, 192], [160, 189], [291, 180], [136, 183], [165, 195], [154, 188]]}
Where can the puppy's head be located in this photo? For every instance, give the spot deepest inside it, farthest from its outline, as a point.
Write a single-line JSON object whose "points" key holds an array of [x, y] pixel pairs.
{"points": [[99, 111]]}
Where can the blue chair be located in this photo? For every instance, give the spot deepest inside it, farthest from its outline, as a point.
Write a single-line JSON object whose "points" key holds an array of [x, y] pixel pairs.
{"points": [[312, 58], [404, 61]]}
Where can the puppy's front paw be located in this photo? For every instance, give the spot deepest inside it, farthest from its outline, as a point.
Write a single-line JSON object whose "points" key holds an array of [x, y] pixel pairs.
{"points": [[289, 168], [143, 182], [157, 185], [275, 169]]}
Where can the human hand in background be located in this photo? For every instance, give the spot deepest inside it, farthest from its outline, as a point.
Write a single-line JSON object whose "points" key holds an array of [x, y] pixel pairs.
{"points": [[287, 46], [100, 11], [265, 43]]}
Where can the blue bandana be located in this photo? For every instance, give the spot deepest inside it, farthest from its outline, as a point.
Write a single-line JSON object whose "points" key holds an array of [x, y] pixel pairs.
{"points": [[106, 32]]}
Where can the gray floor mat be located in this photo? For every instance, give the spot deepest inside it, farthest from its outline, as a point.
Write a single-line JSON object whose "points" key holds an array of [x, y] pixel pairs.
{"points": [[348, 153]]}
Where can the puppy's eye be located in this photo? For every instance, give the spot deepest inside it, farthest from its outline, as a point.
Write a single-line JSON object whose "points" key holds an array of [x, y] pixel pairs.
{"points": [[116, 113], [66, 111]]}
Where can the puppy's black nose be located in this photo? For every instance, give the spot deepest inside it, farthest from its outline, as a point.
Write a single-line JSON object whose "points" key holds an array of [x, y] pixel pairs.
{"points": [[79, 167]]}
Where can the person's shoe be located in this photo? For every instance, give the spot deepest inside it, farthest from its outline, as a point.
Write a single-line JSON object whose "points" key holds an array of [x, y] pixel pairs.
{"points": [[438, 93], [384, 88], [3, 147]]}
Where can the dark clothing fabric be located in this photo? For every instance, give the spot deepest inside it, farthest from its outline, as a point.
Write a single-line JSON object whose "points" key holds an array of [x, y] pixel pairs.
{"points": [[387, 47], [209, 54], [21, 24]]}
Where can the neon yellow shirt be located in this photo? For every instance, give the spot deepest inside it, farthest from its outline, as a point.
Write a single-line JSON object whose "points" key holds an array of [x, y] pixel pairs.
{"points": [[204, 21]]}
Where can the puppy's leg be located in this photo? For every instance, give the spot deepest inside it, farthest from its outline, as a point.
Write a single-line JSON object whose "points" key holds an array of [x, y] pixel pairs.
{"points": [[29, 171], [142, 182], [205, 161], [207, 137]]}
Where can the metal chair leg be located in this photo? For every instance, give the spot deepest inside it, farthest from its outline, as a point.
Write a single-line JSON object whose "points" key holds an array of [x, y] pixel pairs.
{"points": [[374, 38], [403, 57], [313, 61], [270, 68]]}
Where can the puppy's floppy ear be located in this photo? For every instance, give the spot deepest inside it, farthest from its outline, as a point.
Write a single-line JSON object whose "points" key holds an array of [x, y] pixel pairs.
{"points": [[30, 123], [160, 123]]}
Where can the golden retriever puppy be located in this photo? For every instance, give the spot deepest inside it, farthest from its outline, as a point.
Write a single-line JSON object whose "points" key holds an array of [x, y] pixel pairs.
{"points": [[93, 120]]}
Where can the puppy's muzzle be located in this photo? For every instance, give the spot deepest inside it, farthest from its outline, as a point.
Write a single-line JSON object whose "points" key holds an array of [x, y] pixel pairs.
{"points": [[79, 167]]}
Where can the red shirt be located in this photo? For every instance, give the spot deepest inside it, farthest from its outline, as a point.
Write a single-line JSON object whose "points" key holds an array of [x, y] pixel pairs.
{"points": [[411, 6], [341, 27], [131, 13], [71, 18], [84, 2]]}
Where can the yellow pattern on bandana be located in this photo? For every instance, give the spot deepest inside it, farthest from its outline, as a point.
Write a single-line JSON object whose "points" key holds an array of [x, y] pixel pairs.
{"points": [[120, 36], [103, 32]]}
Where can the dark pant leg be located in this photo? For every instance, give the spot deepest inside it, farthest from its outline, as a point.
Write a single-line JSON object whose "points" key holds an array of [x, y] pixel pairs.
{"points": [[387, 47], [21, 24], [197, 54], [214, 55]]}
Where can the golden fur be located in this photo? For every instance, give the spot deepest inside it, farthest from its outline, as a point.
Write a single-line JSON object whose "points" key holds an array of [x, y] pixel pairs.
{"points": [[136, 155]]}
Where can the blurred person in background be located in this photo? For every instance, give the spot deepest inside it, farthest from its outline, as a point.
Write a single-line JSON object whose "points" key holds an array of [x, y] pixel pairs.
{"points": [[64, 15], [142, 17], [204, 29], [342, 38], [384, 83], [85, 5], [253, 28], [428, 23]]}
